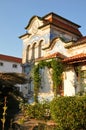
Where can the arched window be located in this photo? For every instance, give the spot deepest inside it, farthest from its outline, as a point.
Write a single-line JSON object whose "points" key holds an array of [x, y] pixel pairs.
{"points": [[33, 51], [28, 53], [39, 49]]}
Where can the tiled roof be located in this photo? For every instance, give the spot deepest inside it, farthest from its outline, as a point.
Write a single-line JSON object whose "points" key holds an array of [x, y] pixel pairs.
{"points": [[58, 21], [64, 24], [60, 17], [57, 54], [76, 58], [10, 58]]}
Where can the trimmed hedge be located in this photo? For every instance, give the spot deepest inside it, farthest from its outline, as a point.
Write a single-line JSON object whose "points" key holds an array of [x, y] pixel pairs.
{"points": [[69, 112]]}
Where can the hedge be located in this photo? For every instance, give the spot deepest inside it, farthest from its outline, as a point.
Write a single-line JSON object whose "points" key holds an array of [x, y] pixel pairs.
{"points": [[69, 112]]}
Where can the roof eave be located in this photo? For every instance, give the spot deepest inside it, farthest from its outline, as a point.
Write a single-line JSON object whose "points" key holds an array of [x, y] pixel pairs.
{"points": [[61, 18]]}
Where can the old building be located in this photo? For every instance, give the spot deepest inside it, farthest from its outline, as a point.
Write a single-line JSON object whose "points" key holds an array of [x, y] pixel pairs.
{"points": [[10, 64], [53, 36]]}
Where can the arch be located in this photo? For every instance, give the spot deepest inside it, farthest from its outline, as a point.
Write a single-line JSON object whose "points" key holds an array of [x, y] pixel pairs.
{"points": [[40, 50], [28, 53], [33, 51]]}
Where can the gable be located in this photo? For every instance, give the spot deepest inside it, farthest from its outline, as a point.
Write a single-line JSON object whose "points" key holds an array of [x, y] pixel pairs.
{"points": [[58, 46], [34, 25]]}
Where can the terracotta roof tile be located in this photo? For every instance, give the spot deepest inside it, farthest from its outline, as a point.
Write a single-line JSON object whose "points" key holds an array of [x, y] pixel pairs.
{"points": [[52, 14], [57, 54], [10, 58], [78, 57], [62, 23], [65, 26]]}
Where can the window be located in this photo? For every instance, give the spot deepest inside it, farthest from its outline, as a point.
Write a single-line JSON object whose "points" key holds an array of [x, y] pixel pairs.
{"points": [[33, 51], [1, 64], [27, 53], [14, 66], [39, 49]]}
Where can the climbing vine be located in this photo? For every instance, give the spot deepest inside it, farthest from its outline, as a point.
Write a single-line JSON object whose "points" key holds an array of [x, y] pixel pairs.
{"points": [[37, 80], [81, 76], [57, 69]]}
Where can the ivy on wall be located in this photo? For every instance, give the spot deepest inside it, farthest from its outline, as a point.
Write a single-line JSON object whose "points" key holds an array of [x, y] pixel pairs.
{"points": [[57, 69], [37, 81], [81, 76]]}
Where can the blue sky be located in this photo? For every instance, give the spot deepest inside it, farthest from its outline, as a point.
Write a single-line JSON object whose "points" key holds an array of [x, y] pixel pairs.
{"points": [[15, 15]]}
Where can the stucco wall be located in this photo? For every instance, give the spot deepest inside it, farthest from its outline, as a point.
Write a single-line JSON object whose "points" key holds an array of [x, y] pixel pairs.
{"points": [[46, 90], [69, 83], [8, 67]]}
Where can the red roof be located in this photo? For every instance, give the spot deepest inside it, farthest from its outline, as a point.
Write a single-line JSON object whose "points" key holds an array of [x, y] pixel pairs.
{"points": [[60, 17], [65, 26], [10, 58], [63, 23], [57, 54], [76, 58], [59, 22]]}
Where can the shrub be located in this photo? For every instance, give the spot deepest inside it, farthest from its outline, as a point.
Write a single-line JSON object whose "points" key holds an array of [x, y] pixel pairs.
{"points": [[37, 110], [69, 112]]}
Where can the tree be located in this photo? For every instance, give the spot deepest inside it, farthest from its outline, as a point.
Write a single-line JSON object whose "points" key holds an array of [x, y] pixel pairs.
{"points": [[9, 80], [8, 90]]}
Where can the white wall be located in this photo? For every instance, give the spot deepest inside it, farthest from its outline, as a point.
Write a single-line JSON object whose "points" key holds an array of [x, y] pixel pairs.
{"points": [[69, 83], [8, 67]]}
